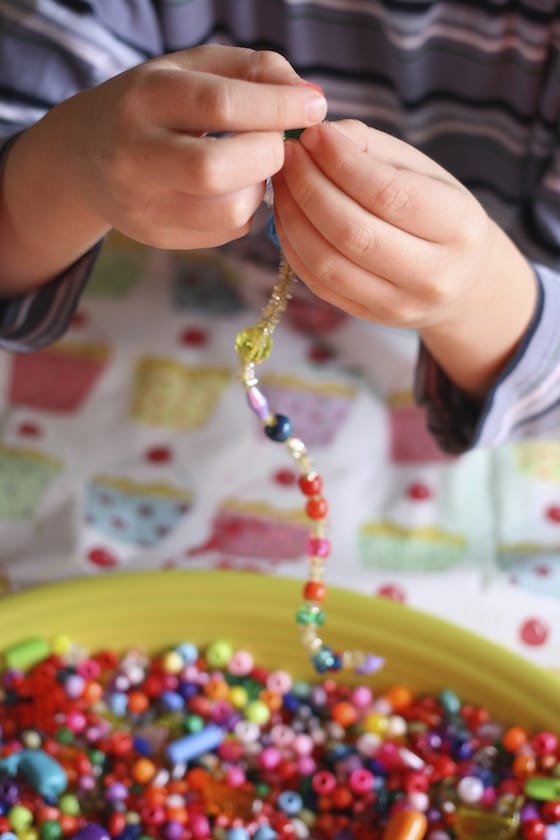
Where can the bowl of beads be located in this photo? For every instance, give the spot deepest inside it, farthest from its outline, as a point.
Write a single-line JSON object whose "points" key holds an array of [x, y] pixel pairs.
{"points": [[181, 706]]}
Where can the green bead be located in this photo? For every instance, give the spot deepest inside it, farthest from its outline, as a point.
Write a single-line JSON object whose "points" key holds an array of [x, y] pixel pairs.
{"points": [[253, 345], [20, 818], [542, 788], [218, 654], [310, 614], [64, 735], [68, 804], [257, 712], [261, 790], [97, 757], [193, 723], [50, 830], [293, 133], [450, 702], [24, 655]]}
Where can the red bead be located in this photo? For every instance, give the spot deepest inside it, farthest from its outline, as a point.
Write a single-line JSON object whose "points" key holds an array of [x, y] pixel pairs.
{"points": [[317, 508], [310, 485], [314, 590], [533, 830], [550, 811]]}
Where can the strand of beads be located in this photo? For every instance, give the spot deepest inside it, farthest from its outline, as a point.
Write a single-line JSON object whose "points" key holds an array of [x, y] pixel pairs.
{"points": [[253, 346]]}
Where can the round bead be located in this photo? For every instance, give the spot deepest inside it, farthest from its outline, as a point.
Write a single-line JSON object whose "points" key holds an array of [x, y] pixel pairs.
{"points": [[279, 429], [317, 508], [241, 663], [470, 790], [315, 590], [253, 345], [218, 654], [310, 485]]}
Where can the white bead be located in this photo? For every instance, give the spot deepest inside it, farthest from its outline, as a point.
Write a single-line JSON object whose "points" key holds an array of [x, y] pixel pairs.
{"points": [[368, 744], [470, 790], [396, 726], [418, 801], [411, 759], [246, 731]]}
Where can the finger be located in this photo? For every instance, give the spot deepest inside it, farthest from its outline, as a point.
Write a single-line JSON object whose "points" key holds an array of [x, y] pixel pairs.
{"points": [[329, 273], [206, 166], [422, 203], [363, 239], [238, 63], [207, 102]]}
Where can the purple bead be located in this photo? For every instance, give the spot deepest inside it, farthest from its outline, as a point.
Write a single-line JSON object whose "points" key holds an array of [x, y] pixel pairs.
{"points": [[173, 830], [116, 792], [258, 403], [371, 664], [91, 831]]}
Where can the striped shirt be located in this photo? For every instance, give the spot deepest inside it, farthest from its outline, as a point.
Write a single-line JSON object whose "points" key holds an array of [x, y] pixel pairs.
{"points": [[475, 85]]}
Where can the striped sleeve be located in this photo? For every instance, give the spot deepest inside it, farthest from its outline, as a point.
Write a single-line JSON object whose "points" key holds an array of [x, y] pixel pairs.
{"points": [[525, 401], [49, 51]]}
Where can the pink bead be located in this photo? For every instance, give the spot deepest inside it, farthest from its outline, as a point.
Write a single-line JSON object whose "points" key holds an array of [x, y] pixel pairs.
{"points": [[306, 765], [282, 736], [89, 669], [318, 547], [303, 744], [544, 743], [279, 681], [269, 758], [199, 826], [360, 781], [488, 798], [258, 403], [323, 783], [361, 697], [388, 755], [76, 721], [241, 663], [235, 777]]}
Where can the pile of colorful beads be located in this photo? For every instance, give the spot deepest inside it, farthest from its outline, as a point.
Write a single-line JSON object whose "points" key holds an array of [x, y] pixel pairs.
{"points": [[190, 744]]}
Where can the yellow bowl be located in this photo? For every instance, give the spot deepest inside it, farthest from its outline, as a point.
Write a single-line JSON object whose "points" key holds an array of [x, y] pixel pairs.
{"points": [[155, 609]]}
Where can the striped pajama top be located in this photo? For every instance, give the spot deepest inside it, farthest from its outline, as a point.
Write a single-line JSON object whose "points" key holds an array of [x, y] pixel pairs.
{"points": [[475, 85]]}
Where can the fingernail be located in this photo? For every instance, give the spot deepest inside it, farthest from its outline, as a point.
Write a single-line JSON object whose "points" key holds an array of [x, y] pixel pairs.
{"points": [[316, 108], [313, 85]]}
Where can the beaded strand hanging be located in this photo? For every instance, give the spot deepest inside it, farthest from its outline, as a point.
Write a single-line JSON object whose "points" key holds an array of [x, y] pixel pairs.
{"points": [[253, 346]]}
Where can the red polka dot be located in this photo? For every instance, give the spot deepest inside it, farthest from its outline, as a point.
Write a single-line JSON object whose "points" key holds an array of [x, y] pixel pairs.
{"points": [[320, 353], [103, 558], [553, 513], [542, 570], [392, 591], [159, 455], [418, 491], [285, 477], [534, 632], [29, 429], [194, 337], [79, 319]]}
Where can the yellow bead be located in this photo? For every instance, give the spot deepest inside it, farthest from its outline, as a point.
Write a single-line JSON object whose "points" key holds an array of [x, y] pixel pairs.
{"points": [[238, 696], [377, 724], [253, 345], [172, 662], [61, 645]]}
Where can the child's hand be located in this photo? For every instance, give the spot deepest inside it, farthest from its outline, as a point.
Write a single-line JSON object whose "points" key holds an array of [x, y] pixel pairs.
{"points": [[378, 229], [138, 148]]}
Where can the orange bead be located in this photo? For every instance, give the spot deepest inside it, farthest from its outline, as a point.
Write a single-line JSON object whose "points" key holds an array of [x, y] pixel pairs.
{"points": [[69, 824], [399, 697], [93, 692], [317, 508], [154, 796], [143, 771], [344, 713], [406, 825], [216, 689], [197, 778], [341, 798], [524, 766], [514, 738], [138, 702], [271, 699], [315, 590]]}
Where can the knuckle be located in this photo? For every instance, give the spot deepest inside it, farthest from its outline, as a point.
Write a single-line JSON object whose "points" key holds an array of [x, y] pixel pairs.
{"points": [[266, 63], [209, 171], [216, 103], [393, 198], [357, 239]]}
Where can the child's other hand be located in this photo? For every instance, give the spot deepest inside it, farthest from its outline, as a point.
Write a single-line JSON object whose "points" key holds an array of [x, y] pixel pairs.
{"points": [[136, 145], [380, 230]]}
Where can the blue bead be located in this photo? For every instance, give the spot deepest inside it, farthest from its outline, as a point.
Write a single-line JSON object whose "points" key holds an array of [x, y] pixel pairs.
{"points": [[237, 833], [188, 652], [450, 701], [271, 231], [290, 802], [323, 660], [172, 701], [280, 430], [142, 746], [118, 703], [265, 832], [290, 702]]}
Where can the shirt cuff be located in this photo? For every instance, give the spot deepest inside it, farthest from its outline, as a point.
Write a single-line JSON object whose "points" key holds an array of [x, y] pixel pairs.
{"points": [[43, 315], [524, 402]]}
